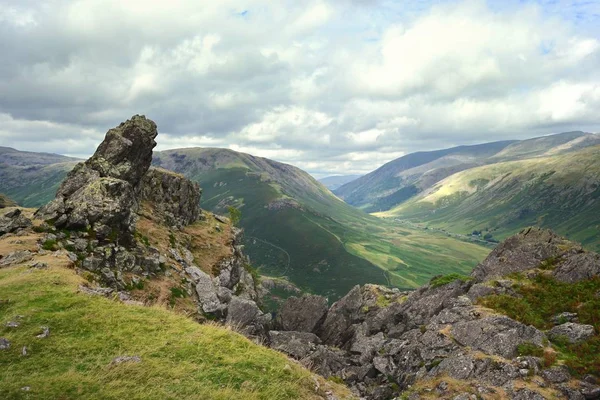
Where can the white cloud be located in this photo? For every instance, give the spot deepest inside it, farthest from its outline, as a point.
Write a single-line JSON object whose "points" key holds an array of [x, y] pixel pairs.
{"points": [[338, 86]]}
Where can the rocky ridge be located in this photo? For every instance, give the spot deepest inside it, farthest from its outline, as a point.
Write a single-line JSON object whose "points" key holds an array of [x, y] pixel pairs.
{"points": [[128, 227], [439, 341], [133, 229]]}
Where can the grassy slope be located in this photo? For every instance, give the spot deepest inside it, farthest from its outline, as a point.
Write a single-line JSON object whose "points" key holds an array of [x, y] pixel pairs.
{"points": [[180, 358], [561, 192], [324, 245], [32, 186]]}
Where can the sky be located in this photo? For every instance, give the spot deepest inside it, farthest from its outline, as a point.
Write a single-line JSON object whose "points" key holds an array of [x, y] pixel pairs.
{"points": [[331, 86]]}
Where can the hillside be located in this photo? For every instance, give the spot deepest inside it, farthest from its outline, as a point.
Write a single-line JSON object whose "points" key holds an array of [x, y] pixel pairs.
{"points": [[295, 227], [334, 182], [403, 178], [6, 201], [173, 356], [560, 191]]}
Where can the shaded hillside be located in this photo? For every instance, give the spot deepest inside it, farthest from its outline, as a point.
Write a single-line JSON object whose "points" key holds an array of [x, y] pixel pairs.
{"points": [[32, 185], [296, 228], [561, 192], [401, 179], [13, 157]]}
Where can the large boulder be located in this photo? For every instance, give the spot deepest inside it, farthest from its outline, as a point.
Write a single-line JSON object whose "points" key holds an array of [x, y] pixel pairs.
{"points": [[173, 198], [523, 251], [295, 344], [101, 193], [496, 335], [12, 221], [573, 332], [302, 314], [578, 267]]}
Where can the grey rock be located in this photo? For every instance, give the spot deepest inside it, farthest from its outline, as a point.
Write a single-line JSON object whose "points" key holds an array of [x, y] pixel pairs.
{"points": [[207, 293], [16, 257], [175, 199], [527, 394], [45, 333], [247, 316], [4, 344], [295, 344], [564, 317], [366, 346], [13, 221], [575, 333], [12, 324], [556, 374], [592, 393], [327, 361], [126, 359], [578, 267], [97, 291], [304, 314], [498, 335], [521, 252], [337, 327]]}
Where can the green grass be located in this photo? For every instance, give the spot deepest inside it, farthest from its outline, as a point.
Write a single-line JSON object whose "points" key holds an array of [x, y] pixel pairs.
{"points": [[446, 279], [180, 358], [561, 192], [543, 297]]}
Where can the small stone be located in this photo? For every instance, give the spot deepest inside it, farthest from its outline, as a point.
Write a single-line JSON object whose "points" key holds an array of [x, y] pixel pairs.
{"points": [[45, 333], [126, 359], [443, 386], [12, 324], [575, 333], [24, 351], [4, 344], [26, 388], [564, 317]]}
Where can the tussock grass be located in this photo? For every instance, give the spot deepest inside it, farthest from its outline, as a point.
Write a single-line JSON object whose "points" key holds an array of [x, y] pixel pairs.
{"points": [[180, 358], [543, 297]]}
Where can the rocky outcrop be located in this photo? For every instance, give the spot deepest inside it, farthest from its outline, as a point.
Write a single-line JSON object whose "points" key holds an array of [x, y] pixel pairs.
{"points": [[173, 197], [523, 251], [101, 194], [383, 342], [13, 221], [303, 314], [573, 332], [99, 205]]}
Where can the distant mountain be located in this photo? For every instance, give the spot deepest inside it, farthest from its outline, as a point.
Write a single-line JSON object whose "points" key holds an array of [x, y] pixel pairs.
{"points": [[556, 189], [399, 180], [334, 182], [31, 179], [12, 157], [296, 228]]}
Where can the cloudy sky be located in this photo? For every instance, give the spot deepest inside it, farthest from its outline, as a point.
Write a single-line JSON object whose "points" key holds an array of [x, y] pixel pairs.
{"points": [[331, 86]]}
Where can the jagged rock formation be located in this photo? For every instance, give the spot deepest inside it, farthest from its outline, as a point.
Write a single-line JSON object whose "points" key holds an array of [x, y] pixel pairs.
{"points": [[13, 221], [101, 194], [173, 196], [384, 342], [95, 216]]}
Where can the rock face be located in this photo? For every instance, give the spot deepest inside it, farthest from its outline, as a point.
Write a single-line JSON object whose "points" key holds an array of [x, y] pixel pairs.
{"points": [[382, 342], [574, 333], [304, 314], [6, 202], [174, 197], [101, 194], [13, 221], [100, 203], [523, 251]]}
